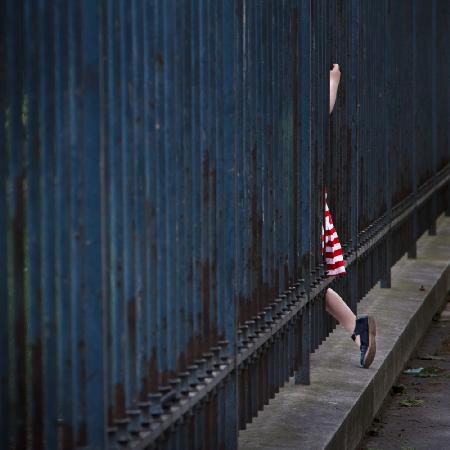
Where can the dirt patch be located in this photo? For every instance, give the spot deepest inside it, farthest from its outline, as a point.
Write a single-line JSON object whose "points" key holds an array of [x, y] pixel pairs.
{"points": [[446, 346]]}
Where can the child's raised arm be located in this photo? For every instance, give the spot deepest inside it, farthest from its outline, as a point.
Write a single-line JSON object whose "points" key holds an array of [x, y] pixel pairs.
{"points": [[335, 76]]}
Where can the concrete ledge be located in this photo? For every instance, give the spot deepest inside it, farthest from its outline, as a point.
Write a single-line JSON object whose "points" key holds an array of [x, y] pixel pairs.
{"points": [[339, 405]]}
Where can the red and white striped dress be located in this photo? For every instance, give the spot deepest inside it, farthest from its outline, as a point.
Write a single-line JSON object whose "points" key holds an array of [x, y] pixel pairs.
{"points": [[331, 247]]}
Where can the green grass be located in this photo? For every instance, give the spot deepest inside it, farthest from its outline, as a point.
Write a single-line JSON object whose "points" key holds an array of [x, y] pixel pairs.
{"points": [[411, 402], [429, 372]]}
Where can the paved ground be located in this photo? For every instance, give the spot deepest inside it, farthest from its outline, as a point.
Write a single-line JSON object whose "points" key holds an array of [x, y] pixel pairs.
{"points": [[427, 425]]}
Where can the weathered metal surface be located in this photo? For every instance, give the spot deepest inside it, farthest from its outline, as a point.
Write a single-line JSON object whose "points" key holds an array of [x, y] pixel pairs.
{"points": [[162, 170]]}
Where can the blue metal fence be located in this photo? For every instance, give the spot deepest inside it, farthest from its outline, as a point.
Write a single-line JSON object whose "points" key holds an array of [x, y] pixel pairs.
{"points": [[162, 169]]}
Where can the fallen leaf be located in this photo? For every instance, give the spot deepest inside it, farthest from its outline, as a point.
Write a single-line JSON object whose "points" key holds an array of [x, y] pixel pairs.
{"points": [[413, 371], [431, 357]]}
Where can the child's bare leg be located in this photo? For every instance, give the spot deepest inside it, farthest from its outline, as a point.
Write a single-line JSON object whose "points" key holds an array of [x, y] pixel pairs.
{"points": [[341, 312]]}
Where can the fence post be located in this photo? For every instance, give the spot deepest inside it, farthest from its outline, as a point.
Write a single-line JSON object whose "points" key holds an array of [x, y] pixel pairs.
{"points": [[304, 46], [432, 228], [302, 376], [230, 38], [412, 252], [354, 114], [93, 333], [385, 281]]}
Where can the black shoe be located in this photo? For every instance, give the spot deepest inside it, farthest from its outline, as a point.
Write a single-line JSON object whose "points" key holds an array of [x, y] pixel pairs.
{"points": [[366, 329]]}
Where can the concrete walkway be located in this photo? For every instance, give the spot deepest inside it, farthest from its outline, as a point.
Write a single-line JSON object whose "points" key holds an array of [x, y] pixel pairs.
{"points": [[339, 405]]}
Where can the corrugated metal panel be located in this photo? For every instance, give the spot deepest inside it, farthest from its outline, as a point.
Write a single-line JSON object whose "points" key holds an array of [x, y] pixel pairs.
{"points": [[162, 168]]}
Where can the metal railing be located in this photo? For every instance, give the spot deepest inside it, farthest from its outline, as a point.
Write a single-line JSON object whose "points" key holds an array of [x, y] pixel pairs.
{"points": [[163, 165]]}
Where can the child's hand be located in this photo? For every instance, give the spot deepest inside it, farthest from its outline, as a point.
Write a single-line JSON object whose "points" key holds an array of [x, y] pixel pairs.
{"points": [[335, 77], [335, 74]]}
